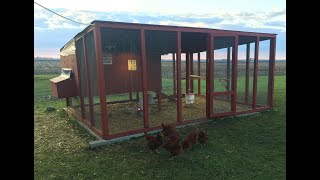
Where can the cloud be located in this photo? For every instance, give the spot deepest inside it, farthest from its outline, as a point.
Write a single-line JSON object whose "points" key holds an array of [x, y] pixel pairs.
{"points": [[47, 20], [184, 23], [268, 20], [273, 19]]}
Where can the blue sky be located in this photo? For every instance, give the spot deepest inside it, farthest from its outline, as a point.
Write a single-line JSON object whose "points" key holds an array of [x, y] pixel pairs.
{"points": [[51, 32]]}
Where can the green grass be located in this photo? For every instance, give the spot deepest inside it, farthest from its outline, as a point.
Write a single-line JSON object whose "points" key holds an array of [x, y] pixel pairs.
{"points": [[252, 147]]}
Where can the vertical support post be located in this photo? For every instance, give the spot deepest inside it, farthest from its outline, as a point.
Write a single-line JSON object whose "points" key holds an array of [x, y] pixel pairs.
{"points": [[102, 85], [234, 74], [137, 96], [255, 74], [179, 103], [272, 62], [159, 100], [199, 80], [68, 101], [208, 106], [130, 96], [209, 75], [191, 71], [247, 74], [187, 73], [174, 74], [228, 69], [144, 79], [88, 82], [80, 89]]}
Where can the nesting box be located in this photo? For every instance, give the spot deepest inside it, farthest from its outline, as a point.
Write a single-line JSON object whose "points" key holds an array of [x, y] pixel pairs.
{"points": [[63, 86]]}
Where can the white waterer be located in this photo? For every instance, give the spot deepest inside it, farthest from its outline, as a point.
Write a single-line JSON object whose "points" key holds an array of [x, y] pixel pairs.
{"points": [[150, 101], [189, 98]]}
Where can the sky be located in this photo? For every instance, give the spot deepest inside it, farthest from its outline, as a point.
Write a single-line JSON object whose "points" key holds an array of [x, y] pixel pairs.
{"points": [[51, 32]]}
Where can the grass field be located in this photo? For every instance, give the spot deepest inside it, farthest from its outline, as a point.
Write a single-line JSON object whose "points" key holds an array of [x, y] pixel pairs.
{"points": [[252, 147]]}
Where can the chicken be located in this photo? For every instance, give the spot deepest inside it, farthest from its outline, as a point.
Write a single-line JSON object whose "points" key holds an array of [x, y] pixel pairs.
{"points": [[154, 142], [174, 147], [202, 137], [189, 140], [170, 132]]}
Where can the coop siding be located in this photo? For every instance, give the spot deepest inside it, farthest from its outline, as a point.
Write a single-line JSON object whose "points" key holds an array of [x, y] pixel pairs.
{"points": [[118, 77]]}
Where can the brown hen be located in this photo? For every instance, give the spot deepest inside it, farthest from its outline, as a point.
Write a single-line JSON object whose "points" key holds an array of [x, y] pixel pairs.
{"points": [[202, 137], [189, 140], [153, 142]]}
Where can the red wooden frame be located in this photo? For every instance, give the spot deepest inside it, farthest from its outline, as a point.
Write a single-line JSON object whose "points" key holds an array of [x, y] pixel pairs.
{"points": [[188, 73], [174, 74], [199, 80], [80, 90], [209, 75], [271, 70], [247, 73], [144, 79], [234, 74], [228, 68], [255, 74], [210, 94], [88, 81], [179, 103], [102, 87], [191, 71]]}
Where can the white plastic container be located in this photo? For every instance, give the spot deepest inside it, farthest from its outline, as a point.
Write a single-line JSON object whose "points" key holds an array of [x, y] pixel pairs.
{"points": [[190, 98], [150, 101]]}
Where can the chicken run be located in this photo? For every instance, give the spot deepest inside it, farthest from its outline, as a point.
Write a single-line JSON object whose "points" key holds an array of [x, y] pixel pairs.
{"points": [[121, 79]]}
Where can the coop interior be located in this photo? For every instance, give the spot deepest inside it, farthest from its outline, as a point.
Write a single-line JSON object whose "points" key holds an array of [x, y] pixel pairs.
{"points": [[121, 57]]}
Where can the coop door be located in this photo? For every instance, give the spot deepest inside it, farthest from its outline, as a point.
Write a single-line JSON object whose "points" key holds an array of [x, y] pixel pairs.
{"points": [[223, 74]]}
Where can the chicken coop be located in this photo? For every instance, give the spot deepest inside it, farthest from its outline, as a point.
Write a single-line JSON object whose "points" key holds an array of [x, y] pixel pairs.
{"points": [[121, 79]]}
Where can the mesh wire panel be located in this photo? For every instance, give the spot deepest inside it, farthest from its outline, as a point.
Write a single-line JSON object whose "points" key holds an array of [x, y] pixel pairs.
{"points": [[167, 76], [160, 46], [93, 78], [222, 73], [222, 69], [263, 73], [222, 104], [195, 73], [83, 77], [245, 79], [193, 107], [76, 104], [121, 53]]}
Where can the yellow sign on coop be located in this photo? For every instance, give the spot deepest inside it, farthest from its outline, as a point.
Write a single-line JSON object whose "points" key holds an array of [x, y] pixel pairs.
{"points": [[132, 65]]}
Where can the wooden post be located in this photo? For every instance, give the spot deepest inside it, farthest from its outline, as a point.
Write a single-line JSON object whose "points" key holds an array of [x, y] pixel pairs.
{"points": [[187, 73], [68, 101], [159, 100], [272, 62], [228, 69], [191, 71], [199, 80], [80, 85], [209, 75], [234, 74], [247, 74], [144, 79], [174, 74], [179, 103], [102, 86], [255, 74], [88, 83]]}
